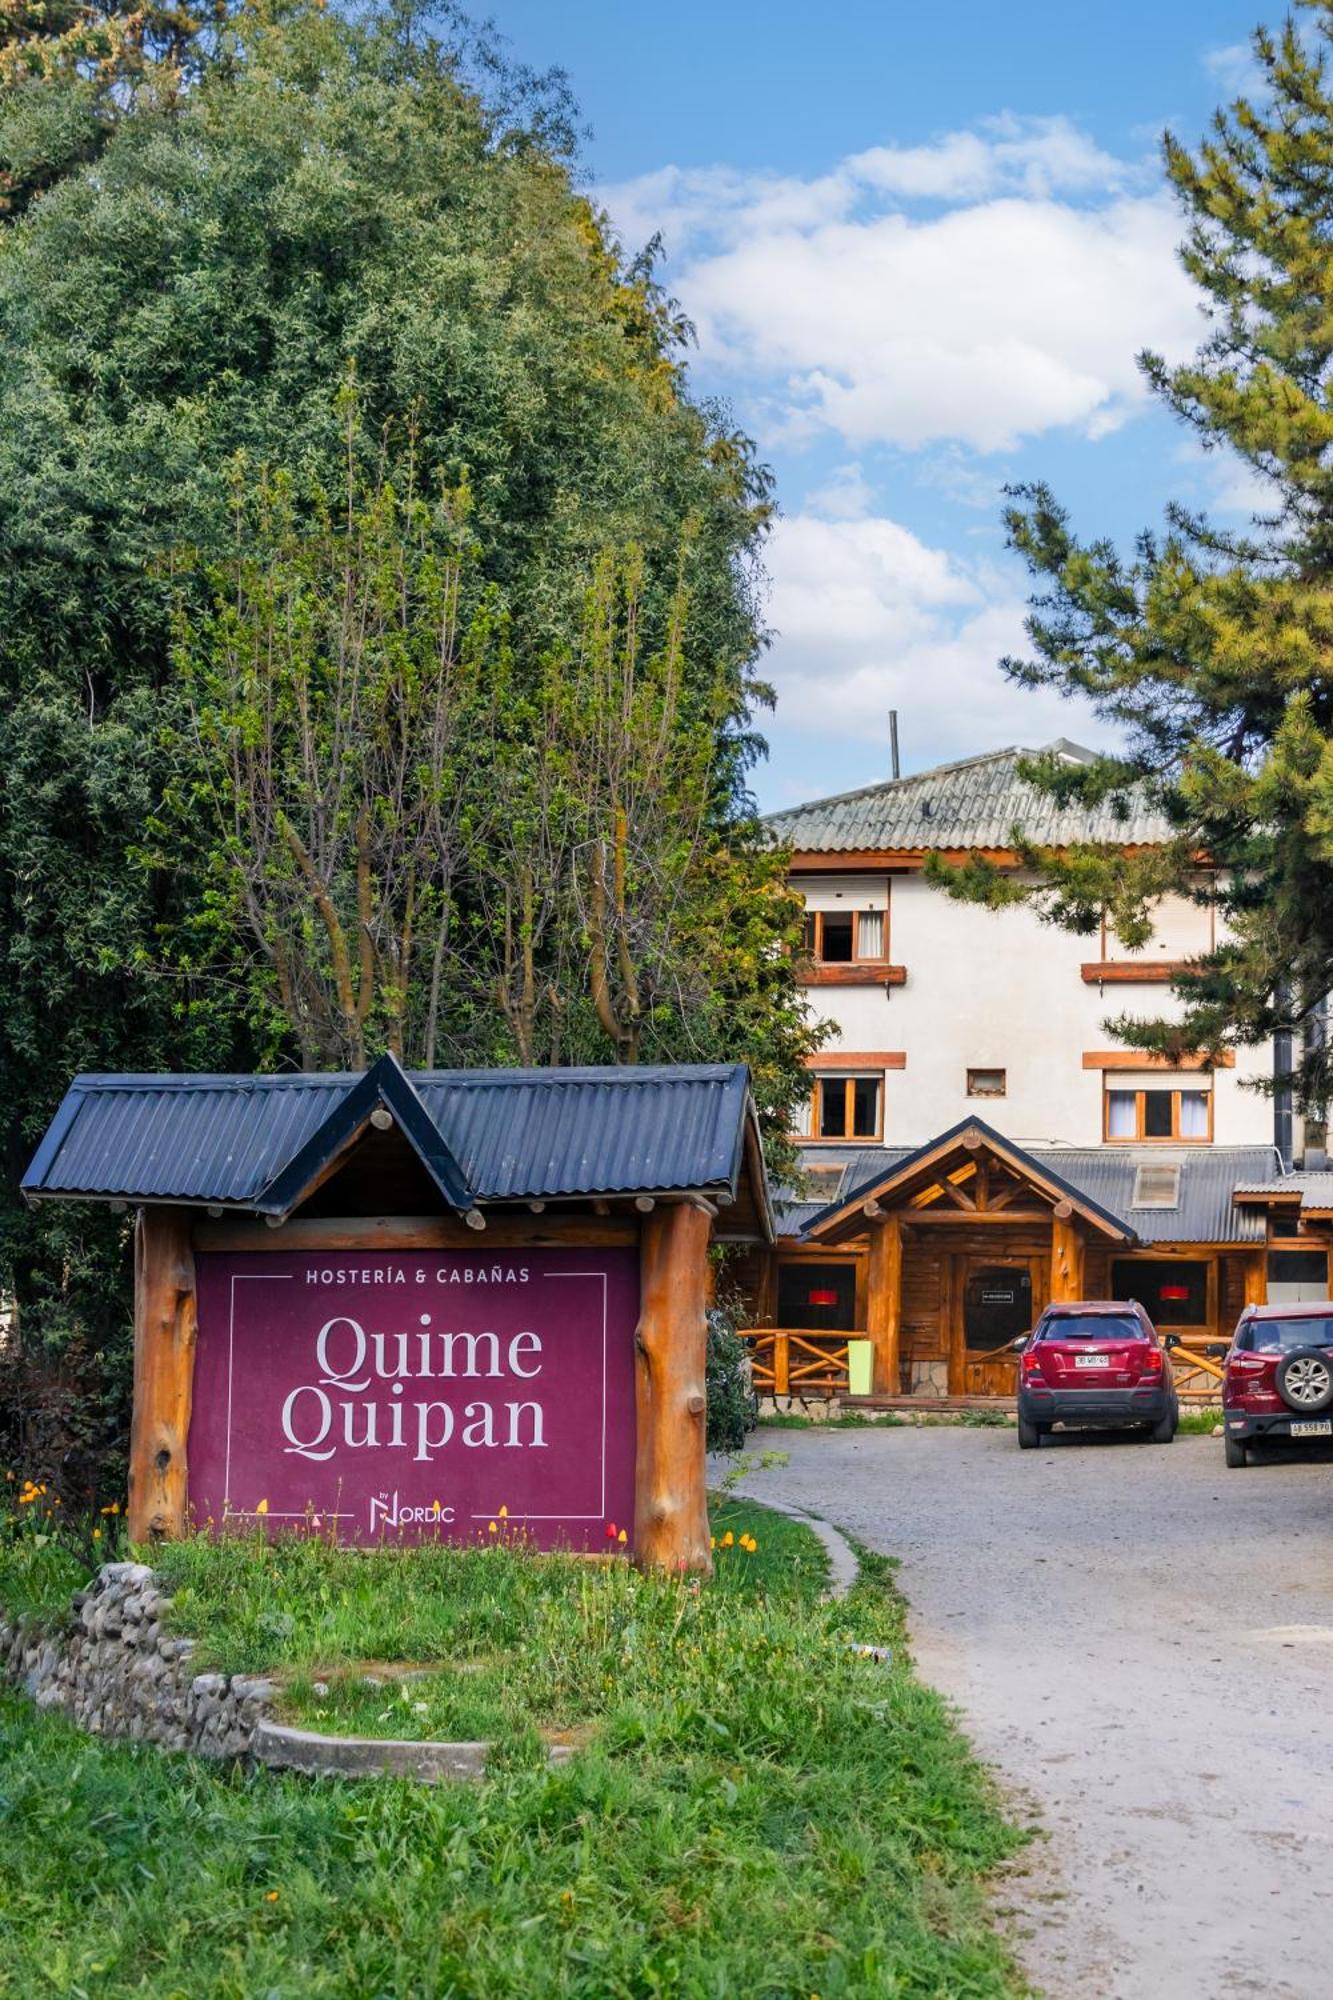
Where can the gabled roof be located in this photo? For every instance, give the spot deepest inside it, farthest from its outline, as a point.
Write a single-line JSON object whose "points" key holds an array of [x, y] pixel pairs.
{"points": [[249, 1142], [384, 1087], [900, 1177], [975, 803], [1214, 1182]]}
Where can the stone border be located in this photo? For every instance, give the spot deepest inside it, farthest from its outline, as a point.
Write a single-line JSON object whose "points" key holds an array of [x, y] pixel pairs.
{"points": [[289, 1749], [111, 1668], [844, 1564]]}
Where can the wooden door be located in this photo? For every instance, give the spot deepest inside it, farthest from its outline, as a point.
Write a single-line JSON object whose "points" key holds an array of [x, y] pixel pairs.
{"points": [[994, 1299]]}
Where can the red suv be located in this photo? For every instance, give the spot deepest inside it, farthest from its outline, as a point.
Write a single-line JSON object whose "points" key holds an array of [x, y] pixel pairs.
{"points": [[1279, 1377], [1097, 1362]]}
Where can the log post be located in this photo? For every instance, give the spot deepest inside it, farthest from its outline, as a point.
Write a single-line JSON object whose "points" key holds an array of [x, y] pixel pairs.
{"points": [[165, 1324], [670, 1501], [1066, 1258], [781, 1363], [1255, 1264], [884, 1301]]}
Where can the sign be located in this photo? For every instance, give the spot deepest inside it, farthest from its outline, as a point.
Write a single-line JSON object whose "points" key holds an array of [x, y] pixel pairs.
{"points": [[385, 1396]]}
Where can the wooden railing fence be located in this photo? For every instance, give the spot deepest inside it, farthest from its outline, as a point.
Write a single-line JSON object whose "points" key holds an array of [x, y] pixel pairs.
{"points": [[797, 1361]]}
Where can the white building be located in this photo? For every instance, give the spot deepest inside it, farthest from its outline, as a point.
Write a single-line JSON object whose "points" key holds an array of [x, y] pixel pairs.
{"points": [[942, 1008], [978, 1141]]}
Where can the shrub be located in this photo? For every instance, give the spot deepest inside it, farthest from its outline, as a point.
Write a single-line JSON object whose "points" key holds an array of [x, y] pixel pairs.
{"points": [[732, 1403]]}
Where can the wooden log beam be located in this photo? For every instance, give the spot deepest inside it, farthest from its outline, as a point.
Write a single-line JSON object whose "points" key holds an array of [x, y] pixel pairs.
{"points": [[1066, 1259], [670, 1501], [1255, 1265], [389, 1233], [884, 1301], [165, 1327]]}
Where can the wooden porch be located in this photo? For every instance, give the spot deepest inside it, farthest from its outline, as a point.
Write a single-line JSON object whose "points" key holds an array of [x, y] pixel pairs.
{"points": [[957, 1251], [800, 1362]]}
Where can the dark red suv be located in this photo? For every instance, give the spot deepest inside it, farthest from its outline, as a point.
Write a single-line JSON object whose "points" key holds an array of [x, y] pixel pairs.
{"points": [[1279, 1376], [1097, 1362]]}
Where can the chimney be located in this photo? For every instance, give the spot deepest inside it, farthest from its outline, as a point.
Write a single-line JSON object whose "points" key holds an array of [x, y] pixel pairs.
{"points": [[893, 741]]}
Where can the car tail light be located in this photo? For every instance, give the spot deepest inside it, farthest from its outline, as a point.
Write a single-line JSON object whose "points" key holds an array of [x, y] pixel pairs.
{"points": [[1151, 1364], [1031, 1361], [1246, 1364]]}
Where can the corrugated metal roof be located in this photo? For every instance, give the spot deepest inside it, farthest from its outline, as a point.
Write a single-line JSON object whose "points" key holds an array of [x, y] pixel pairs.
{"points": [[514, 1133], [1315, 1188], [1205, 1213], [974, 803]]}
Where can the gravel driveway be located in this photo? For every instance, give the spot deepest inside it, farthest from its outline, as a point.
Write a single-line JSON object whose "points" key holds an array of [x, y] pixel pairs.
{"points": [[1142, 1642]]}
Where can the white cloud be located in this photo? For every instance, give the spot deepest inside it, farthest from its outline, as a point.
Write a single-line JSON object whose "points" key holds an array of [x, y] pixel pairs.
{"points": [[846, 495], [869, 618], [839, 304], [1234, 67]]}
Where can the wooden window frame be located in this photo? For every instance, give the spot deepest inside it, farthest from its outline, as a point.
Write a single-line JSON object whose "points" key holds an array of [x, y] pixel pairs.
{"points": [[1138, 1137], [847, 1083], [816, 953], [988, 1069]]}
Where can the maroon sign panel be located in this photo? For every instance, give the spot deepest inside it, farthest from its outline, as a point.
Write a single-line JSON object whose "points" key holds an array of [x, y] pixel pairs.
{"points": [[384, 1396]]}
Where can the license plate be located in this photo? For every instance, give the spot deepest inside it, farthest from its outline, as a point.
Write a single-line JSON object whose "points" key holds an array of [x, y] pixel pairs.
{"points": [[1313, 1427], [1092, 1361]]}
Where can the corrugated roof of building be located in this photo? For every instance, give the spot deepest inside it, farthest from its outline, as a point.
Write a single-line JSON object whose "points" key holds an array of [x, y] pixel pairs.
{"points": [[514, 1134], [1314, 1186], [974, 803], [1205, 1212]]}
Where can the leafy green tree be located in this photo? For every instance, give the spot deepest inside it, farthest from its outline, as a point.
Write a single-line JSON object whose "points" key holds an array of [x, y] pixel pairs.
{"points": [[376, 196], [71, 69], [1210, 650]]}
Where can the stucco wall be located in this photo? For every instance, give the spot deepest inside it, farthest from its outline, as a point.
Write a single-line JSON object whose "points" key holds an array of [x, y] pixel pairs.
{"points": [[1001, 989]]}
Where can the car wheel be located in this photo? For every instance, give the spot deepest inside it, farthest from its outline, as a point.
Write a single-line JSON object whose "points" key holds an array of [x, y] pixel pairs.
{"points": [[1305, 1381], [1029, 1435], [1237, 1456], [1164, 1429]]}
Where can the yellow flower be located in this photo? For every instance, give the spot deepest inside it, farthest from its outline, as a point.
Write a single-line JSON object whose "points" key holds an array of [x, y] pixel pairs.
{"points": [[261, 1507], [504, 1513], [270, 1895], [97, 1534], [491, 1528], [728, 1539], [712, 1541], [622, 1536]]}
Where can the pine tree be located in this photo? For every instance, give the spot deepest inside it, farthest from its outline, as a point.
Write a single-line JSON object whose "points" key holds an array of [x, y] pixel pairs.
{"points": [[1213, 652]]}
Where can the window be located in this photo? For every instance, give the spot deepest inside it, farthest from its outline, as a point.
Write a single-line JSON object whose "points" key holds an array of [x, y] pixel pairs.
{"points": [[1153, 1112], [842, 937], [986, 1083], [1280, 1336], [1156, 1187], [1172, 1293], [818, 1297], [844, 1107], [1297, 1275], [1089, 1326]]}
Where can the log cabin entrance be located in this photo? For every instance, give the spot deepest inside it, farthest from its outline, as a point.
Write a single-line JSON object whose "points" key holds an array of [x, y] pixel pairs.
{"points": [[995, 1301], [965, 1241]]}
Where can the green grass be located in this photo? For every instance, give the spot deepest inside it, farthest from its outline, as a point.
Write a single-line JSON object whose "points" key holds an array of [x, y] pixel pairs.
{"points": [[758, 1810], [848, 1420], [1199, 1423]]}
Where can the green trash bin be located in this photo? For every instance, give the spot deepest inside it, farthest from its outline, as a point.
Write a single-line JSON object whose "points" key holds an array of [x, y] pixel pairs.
{"points": [[860, 1367]]}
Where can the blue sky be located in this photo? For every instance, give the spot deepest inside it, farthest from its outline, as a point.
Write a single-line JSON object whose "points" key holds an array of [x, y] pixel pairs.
{"points": [[921, 246]]}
